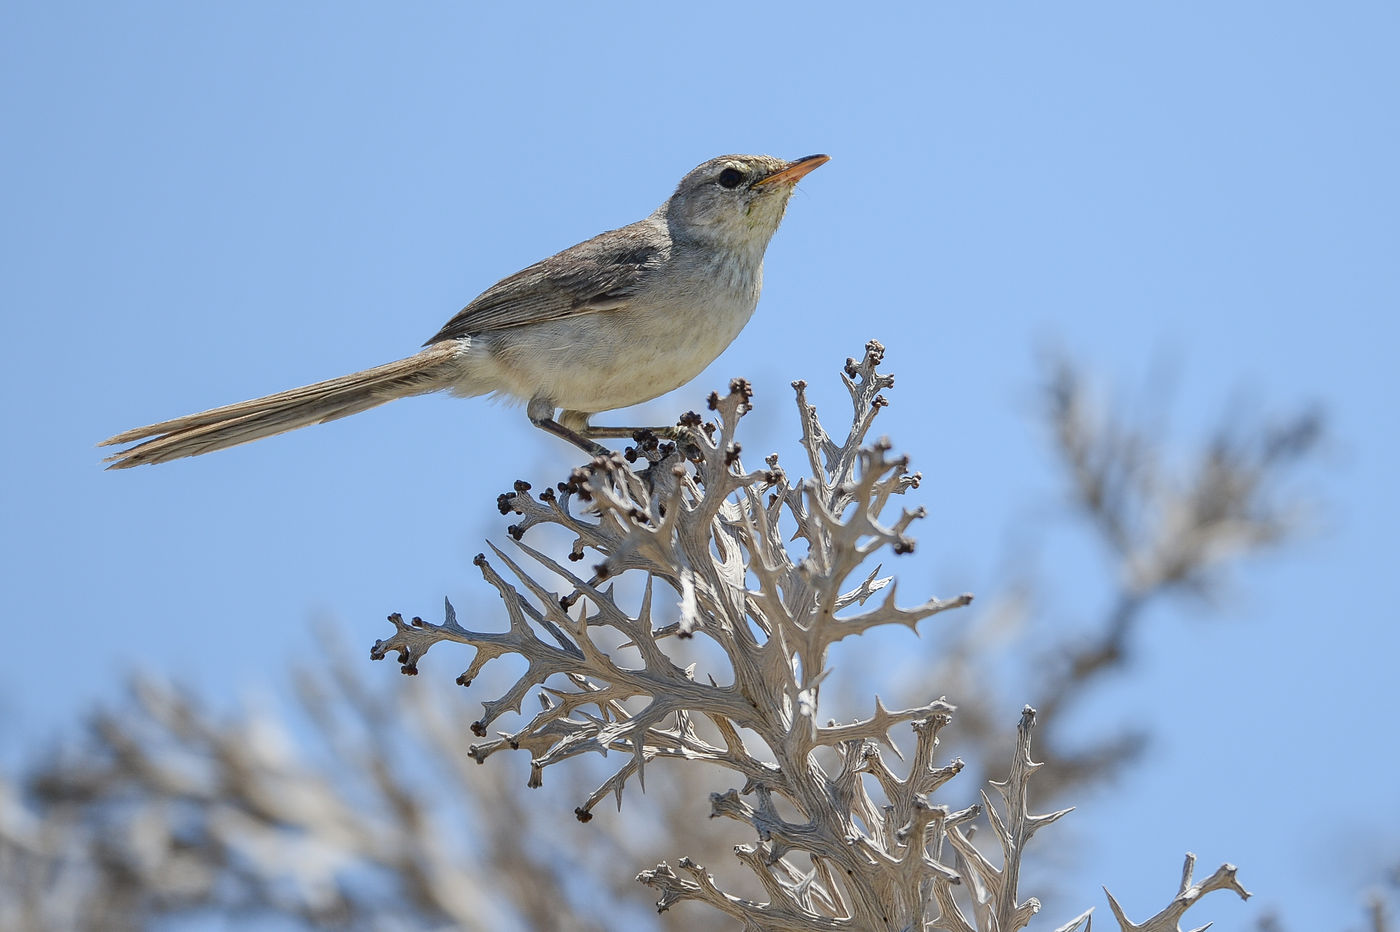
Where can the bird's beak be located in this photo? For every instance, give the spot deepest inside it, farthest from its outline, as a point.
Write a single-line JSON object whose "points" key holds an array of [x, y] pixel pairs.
{"points": [[795, 171]]}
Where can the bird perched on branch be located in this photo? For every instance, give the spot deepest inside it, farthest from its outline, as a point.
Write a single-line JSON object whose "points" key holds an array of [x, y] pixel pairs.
{"points": [[614, 321]]}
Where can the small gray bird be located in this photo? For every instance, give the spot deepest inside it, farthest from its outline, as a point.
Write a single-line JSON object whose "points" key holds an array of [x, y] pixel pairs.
{"points": [[614, 321]]}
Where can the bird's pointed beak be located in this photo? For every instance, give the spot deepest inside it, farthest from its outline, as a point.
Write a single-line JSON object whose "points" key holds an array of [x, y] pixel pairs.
{"points": [[795, 171]]}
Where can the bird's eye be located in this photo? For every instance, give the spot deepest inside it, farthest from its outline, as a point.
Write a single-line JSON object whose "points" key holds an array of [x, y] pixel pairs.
{"points": [[730, 178]]}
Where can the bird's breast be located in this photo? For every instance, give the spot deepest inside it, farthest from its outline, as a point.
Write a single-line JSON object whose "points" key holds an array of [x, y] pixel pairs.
{"points": [[660, 338]]}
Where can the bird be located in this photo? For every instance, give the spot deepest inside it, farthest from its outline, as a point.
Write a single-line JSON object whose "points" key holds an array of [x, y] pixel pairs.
{"points": [[611, 322]]}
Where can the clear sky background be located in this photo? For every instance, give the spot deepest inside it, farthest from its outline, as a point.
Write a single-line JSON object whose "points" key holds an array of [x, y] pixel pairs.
{"points": [[207, 202]]}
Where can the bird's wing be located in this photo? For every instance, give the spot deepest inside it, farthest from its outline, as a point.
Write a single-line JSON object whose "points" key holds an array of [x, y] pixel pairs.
{"points": [[599, 274]]}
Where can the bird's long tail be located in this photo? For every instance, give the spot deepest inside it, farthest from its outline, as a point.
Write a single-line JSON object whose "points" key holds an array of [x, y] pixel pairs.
{"points": [[427, 371]]}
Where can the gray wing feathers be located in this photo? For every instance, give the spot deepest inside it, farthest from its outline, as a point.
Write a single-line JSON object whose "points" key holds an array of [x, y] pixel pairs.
{"points": [[596, 275]]}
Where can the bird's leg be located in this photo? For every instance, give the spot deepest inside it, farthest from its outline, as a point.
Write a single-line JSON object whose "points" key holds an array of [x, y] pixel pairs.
{"points": [[559, 430], [677, 434], [541, 414]]}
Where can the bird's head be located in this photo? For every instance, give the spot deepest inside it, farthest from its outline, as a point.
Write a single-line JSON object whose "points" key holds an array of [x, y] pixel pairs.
{"points": [[736, 199]]}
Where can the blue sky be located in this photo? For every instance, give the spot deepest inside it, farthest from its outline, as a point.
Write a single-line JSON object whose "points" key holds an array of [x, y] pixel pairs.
{"points": [[207, 203]]}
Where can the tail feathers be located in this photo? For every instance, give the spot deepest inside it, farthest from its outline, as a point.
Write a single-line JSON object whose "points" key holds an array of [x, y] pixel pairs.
{"points": [[219, 428]]}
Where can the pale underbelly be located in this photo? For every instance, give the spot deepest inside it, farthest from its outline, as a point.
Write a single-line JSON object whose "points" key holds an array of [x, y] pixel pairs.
{"points": [[590, 365]]}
